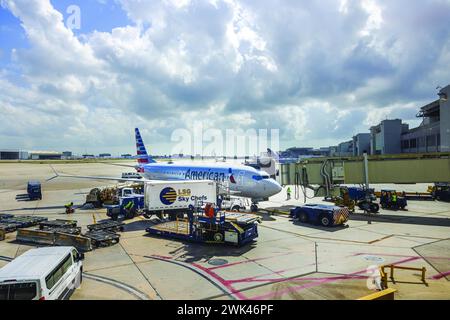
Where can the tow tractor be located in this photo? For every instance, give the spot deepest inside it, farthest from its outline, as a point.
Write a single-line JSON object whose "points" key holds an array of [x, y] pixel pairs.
{"points": [[364, 198], [324, 215], [210, 226], [440, 191], [387, 203]]}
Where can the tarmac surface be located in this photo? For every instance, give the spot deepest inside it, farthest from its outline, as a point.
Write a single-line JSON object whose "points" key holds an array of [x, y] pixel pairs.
{"points": [[289, 260]]}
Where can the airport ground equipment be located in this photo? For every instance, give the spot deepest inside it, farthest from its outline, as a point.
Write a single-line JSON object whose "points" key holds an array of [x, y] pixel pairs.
{"points": [[58, 224], [172, 196], [233, 204], [387, 203], [34, 190], [387, 294], [223, 228], [114, 211], [112, 195], [364, 198], [344, 200], [440, 191], [324, 215], [102, 238], [384, 276], [107, 225], [11, 223]]}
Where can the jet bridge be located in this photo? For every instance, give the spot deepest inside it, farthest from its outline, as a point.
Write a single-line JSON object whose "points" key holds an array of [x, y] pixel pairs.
{"points": [[400, 169]]}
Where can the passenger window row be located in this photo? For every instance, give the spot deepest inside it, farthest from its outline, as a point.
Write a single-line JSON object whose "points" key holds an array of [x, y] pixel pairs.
{"points": [[52, 279]]}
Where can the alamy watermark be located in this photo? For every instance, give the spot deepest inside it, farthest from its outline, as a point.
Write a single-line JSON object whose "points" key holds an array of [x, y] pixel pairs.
{"points": [[229, 143], [73, 21]]}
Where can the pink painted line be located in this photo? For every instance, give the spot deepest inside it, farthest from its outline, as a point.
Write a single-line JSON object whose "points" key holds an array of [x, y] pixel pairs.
{"points": [[224, 282], [440, 275], [300, 279], [251, 260], [398, 255], [317, 283]]}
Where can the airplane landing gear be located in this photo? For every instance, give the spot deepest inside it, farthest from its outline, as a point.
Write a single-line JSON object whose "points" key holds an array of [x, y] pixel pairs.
{"points": [[254, 207]]}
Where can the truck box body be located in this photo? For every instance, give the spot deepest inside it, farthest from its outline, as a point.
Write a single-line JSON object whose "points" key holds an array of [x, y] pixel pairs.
{"points": [[176, 195]]}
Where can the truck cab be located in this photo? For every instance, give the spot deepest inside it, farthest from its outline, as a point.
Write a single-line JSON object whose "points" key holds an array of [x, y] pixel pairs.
{"points": [[34, 190]]}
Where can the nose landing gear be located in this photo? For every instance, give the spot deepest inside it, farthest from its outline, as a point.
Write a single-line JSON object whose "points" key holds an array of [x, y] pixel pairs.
{"points": [[254, 207]]}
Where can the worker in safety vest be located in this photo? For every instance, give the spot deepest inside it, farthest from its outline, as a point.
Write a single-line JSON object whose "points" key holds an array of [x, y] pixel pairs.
{"points": [[288, 193], [394, 199], [69, 208], [129, 207]]}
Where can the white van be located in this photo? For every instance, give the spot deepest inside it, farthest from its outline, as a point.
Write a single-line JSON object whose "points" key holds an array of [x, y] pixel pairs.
{"points": [[50, 273]]}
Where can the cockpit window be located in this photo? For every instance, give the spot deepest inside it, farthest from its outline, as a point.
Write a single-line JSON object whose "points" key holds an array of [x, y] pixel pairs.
{"points": [[261, 177]]}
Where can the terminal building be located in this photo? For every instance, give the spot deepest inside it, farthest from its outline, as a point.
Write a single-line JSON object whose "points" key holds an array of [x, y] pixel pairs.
{"points": [[395, 137], [45, 155], [13, 155], [433, 134]]}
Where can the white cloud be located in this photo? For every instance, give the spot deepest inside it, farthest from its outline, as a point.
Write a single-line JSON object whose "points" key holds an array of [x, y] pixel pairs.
{"points": [[318, 71]]}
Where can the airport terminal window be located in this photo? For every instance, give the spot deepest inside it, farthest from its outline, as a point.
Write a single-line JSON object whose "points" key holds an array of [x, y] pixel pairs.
{"points": [[413, 143]]}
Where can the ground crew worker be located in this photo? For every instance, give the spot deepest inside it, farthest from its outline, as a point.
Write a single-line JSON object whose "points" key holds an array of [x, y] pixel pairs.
{"points": [[69, 208], [129, 209], [394, 199], [289, 193]]}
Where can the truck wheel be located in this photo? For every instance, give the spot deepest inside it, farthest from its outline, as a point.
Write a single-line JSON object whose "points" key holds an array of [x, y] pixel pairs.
{"points": [[303, 217], [218, 237], [374, 208], [324, 220], [236, 208]]}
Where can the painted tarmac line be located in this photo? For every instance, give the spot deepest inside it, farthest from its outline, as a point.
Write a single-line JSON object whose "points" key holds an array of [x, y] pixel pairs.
{"points": [[440, 275], [400, 256], [217, 281], [312, 237], [317, 283], [252, 260], [120, 285]]}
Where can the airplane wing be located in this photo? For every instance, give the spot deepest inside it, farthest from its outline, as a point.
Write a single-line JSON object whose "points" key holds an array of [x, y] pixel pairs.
{"points": [[57, 175]]}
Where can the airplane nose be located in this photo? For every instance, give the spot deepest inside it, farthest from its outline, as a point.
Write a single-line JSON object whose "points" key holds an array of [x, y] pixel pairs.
{"points": [[273, 187]]}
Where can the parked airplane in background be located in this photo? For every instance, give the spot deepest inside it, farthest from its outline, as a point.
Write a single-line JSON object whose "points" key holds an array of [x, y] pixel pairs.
{"points": [[243, 181]]}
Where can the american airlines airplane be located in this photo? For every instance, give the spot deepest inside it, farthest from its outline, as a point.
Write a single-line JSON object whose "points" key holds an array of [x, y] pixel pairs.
{"points": [[243, 181]]}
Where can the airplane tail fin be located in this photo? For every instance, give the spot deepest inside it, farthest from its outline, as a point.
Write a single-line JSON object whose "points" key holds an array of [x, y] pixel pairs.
{"points": [[142, 155]]}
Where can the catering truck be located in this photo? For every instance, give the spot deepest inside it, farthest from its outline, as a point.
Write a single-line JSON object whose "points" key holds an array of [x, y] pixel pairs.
{"points": [[174, 197]]}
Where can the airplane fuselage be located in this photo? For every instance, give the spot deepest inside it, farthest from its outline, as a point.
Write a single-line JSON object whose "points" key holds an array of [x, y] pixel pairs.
{"points": [[242, 180]]}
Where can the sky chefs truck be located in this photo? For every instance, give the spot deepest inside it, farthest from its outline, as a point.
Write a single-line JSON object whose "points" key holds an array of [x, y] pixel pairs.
{"points": [[176, 196]]}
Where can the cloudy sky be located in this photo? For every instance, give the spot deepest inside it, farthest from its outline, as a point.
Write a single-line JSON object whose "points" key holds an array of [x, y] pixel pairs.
{"points": [[320, 71]]}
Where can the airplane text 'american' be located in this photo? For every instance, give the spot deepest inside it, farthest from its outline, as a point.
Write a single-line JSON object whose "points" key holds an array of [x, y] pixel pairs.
{"points": [[204, 175]]}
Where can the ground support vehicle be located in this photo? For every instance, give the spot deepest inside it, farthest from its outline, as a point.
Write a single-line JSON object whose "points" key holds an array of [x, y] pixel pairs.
{"points": [[225, 227], [324, 215], [42, 274], [440, 191], [364, 198], [111, 196], [387, 202], [34, 190]]}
